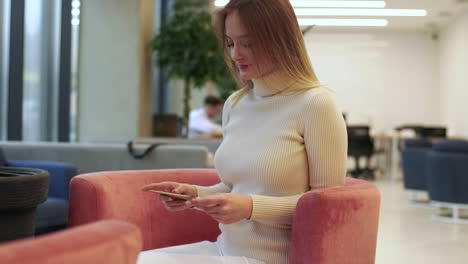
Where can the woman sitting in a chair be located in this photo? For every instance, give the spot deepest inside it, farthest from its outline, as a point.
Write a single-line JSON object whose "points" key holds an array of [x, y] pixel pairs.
{"points": [[284, 135]]}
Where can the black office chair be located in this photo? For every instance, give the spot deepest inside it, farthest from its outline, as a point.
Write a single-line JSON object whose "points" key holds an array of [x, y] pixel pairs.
{"points": [[360, 144], [421, 131], [434, 132]]}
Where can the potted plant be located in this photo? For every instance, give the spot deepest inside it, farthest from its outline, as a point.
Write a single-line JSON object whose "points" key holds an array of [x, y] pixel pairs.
{"points": [[187, 48]]}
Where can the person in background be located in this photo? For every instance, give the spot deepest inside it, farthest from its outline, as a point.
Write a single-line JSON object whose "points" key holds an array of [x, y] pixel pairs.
{"points": [[284, 135], [201, 122]]}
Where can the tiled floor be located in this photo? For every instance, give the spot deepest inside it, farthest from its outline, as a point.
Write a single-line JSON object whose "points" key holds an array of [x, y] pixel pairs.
{"points": [[408, 235]]}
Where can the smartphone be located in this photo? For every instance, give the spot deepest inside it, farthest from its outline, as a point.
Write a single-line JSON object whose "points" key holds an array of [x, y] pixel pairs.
{"points": [[173, 195]]}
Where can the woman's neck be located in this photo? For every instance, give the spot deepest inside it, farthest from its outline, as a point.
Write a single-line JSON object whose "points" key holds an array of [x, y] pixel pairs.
{"points": [[271, 84]]}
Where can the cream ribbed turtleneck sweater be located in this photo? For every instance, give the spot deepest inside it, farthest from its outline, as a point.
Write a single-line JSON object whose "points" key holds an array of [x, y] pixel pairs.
{"points": [[277, 145]]}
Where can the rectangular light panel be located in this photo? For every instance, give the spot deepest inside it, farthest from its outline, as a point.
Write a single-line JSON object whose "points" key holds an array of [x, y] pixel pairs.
{"points": [[358, 12], [343, 22], [304, 3]]}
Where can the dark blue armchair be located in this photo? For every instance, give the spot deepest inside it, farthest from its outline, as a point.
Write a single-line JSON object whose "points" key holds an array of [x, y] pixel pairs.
{"points": [[53, 213], [448, 177], [414, 163]]}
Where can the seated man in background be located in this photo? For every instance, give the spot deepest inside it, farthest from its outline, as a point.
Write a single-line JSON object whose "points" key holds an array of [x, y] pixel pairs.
{"points": [[201, 122]]}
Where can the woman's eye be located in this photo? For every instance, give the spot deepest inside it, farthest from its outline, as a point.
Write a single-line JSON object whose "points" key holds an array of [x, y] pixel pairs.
{"points": [[247, 45], [230, 45]]}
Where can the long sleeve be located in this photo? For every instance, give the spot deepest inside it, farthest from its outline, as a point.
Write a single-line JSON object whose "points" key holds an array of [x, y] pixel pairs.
{"points": [[325, 141]]}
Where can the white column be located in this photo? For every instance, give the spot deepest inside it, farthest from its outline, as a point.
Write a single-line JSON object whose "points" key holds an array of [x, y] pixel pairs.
{"points": [[114, 94]]}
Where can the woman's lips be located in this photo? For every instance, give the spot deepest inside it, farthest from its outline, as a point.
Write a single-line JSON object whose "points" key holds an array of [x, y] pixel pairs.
{"points": [[243, 67]]}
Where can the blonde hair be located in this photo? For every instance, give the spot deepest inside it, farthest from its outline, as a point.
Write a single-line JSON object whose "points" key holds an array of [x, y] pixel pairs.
{"points": [[276, 34]]}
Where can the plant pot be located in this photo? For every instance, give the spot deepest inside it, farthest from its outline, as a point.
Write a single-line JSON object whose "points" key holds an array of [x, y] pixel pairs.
{"points": [[21, 191]]}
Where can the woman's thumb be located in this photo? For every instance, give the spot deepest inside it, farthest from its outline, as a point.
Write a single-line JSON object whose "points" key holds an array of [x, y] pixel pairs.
{"points": [[179, 189]]}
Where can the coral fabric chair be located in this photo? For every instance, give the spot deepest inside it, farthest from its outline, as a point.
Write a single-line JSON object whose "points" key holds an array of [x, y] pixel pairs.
{"points": [[335, 225], [109, 241]]}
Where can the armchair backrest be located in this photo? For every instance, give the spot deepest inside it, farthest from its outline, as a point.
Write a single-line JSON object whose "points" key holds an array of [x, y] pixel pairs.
{"points": [[452, 146], [117, 195], [336, 225], [447, 166], [109, 241], [417, 143]]}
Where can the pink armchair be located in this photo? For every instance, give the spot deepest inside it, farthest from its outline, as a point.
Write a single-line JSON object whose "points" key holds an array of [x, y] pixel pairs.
{"points": [[107, 241], [335, 225]]}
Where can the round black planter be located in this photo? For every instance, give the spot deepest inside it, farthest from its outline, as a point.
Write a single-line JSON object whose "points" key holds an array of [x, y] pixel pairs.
{"points": [[21, 191]]}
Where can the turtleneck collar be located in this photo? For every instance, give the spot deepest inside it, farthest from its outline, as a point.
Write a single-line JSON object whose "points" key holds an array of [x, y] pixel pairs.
{"points": [[271, 84]]}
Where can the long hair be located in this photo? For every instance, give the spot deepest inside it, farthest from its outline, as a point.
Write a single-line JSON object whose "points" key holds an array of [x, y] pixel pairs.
{"points": [[276, 34]]}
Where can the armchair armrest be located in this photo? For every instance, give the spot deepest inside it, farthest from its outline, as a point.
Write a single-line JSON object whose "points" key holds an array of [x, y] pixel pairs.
{"points": [[108, 241], [336, 225], [60, 174], [117, 195]]}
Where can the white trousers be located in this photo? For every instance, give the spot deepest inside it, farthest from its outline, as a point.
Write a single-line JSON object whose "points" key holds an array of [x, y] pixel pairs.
{"points": [[198, 253]]}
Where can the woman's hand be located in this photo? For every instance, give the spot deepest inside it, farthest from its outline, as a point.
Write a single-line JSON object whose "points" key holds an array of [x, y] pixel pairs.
{"points": [[225, 208], [173, 204]]}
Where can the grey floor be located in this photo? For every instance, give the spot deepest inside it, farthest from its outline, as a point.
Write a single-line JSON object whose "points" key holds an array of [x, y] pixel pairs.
{"points": [[407, 234]]}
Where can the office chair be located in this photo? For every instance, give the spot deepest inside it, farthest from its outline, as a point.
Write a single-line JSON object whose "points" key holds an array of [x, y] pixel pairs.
{"points": [[360, 144]]}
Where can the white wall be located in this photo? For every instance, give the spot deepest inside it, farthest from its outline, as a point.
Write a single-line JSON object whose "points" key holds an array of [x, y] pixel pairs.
{"points": [[110, 69], [385, 79], [454, 75]]}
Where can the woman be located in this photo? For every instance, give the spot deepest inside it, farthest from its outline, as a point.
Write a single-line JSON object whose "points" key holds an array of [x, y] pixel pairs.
{"points": [[283, 135]]}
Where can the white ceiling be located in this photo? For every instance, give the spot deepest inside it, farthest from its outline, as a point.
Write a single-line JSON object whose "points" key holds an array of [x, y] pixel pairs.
{"points": [[440, 13]]}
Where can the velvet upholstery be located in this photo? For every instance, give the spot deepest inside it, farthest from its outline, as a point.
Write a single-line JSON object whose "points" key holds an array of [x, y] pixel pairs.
{"points": [[107, 241], [452, 146], [117, 195], [335, 225], [414, 163], [448, 172]]}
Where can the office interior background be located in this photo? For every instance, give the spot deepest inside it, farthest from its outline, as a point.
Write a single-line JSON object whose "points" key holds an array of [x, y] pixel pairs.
{"points": [[83, 71]]}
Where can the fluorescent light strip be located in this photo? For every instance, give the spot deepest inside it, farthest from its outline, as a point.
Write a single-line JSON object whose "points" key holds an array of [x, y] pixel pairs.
{"points": [[343, 22], [358, 12], [370, 4], [303, 3]]}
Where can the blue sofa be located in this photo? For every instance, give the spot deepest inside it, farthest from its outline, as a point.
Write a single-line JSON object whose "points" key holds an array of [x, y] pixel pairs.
{"points": [[53, 213], [414, 163], [448, 177]]}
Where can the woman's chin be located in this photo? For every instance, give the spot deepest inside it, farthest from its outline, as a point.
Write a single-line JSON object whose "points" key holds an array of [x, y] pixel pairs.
{"points": [[245, 76]]}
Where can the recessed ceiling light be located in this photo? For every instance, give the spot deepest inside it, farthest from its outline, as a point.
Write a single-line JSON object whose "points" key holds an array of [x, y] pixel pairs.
{"points": [[343, 22], [358, 12]]}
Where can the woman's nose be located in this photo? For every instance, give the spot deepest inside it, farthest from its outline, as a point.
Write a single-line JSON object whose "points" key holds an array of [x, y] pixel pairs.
{"points": [[236, 53]]}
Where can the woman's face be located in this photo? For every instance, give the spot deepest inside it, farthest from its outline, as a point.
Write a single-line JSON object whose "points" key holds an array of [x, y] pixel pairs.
{"points": [[241, 49]]}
